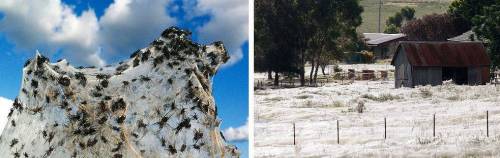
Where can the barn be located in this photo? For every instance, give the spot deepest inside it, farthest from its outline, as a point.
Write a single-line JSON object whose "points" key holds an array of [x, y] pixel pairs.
{"points": [[383, 45], [431, 63]]}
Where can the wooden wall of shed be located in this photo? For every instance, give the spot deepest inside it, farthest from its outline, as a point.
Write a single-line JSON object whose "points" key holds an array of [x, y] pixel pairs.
{"points": [[402, 75], [474, 75], [427, 76], [485, 74], [478, 75]]}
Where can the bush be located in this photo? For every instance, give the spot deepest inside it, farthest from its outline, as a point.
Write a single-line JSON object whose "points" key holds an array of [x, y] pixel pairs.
{"points": [[367, 57], [337, 68], [361, 107], [425, 92], [381, 97]]}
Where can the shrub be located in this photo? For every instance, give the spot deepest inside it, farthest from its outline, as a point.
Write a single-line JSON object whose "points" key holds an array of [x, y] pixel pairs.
{"points": [[425, 92], [381, 97], [337, 68], [361, 107]]}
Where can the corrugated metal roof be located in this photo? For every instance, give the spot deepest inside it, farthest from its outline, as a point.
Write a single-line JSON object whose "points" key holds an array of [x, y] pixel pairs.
{"points": [[449, 54], [466, 37], [379, 38]]}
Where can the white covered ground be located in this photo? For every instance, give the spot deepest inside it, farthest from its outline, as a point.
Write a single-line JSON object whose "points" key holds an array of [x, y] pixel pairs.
{"points": [[460, 121]]}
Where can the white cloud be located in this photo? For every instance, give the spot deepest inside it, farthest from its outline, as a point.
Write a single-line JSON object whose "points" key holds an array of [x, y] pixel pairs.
{"points": [[236, 134], [229, 23], [128, 25], [52, 26], [5, 106]]}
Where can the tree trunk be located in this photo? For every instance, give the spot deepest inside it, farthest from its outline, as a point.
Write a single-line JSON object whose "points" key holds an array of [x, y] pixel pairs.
{"points": [[313, 63], [276, 79], [323, 66], [301, 73], [269, 74], [316, 73]]}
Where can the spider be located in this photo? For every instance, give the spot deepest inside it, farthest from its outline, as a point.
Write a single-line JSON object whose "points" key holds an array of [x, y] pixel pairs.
{"points": [[13, 142], [118, 147], [172, 149]]}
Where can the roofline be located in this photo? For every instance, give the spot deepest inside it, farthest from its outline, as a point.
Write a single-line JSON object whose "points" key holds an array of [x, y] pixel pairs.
{"points": [[440, 42], [400, 42]]}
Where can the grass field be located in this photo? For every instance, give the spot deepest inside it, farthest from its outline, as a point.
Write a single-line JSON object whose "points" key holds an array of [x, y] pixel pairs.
{"points": [[426, 121], [389, 7]]}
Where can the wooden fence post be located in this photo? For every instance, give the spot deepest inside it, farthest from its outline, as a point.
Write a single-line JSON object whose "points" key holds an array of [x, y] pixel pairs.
{"points": [[385, 128], [294, 133], [338, 133], [434, 125], [487, 125]]}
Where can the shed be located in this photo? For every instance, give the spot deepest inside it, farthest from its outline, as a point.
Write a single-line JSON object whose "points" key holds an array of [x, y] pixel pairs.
{"points": [[383, 45], [431, 63]]}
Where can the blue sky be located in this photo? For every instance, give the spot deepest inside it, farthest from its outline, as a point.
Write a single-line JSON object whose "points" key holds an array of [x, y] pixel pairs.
{"points": [[208, 20]]}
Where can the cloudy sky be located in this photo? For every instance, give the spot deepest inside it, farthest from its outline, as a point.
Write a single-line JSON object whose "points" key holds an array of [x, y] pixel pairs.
{"points": [[102, 32]]}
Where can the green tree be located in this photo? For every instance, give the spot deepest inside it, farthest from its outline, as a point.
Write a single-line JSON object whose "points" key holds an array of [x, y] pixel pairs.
{"points": [[274, 37], [288, 33], [467, 9], [394, 23], [487, 26]]}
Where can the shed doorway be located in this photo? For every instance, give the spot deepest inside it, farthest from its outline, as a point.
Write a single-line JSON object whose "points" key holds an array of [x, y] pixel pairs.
{"points": [[457, 74]]}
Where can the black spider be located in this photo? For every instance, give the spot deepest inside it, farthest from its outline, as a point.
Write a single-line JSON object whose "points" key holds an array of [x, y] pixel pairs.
{"points": [[118, 147], [64, 81], [172, 149], [49, 151], [184, 124], [13, 142], [118, 105], [91, 142], [183, 147], [102, 120], [120, 119], [145, 56], [80, 76], [197, 135], [141, 124], [104, 139], [34, 84]]}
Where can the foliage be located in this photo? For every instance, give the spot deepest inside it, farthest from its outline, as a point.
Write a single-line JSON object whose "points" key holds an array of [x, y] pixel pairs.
{"points": [[271, 50], [487, 26], [467, 9], [433, 27], [367, 57], [394, 23], [290, 32]]}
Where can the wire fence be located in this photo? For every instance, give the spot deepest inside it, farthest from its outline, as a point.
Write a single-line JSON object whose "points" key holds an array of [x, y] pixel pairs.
{"points": [[346, 130], [338, 77]]}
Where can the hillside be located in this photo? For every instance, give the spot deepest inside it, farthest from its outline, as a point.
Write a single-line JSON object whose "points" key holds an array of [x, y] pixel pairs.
{"points": [[389, 7]]}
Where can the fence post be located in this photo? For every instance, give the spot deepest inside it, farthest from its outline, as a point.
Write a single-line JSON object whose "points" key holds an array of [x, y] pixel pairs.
{"points": [[338, 133], [434, 125], [385, 128], [294, 133], [487, 125]]}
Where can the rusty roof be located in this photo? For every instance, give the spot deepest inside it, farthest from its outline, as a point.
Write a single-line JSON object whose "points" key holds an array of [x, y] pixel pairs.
{"points": [[449, 54]]}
